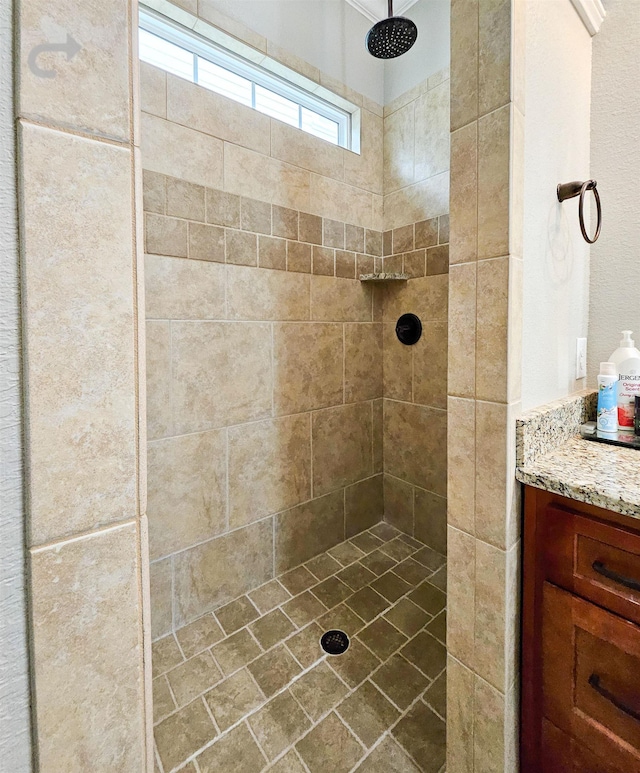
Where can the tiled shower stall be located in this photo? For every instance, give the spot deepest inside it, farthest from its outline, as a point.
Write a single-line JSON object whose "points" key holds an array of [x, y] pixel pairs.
{"points": [[284, 416]]}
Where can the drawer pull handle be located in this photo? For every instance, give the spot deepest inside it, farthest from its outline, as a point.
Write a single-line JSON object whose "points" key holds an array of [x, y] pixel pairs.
{"points": [[594, 681], [599, 567]]}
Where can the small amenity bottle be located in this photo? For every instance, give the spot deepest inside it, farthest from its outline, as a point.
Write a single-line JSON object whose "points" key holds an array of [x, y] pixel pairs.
{"points": [[607, 398], [627, 361]]}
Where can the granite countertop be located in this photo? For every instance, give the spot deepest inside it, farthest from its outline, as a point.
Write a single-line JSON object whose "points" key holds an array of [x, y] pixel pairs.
{"points": [[552, 456]]}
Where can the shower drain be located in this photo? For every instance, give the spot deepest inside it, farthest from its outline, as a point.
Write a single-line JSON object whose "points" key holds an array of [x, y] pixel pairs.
{"points": [[334, 642]]}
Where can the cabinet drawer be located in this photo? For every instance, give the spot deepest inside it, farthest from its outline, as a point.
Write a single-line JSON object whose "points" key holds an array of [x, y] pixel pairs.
{"points": [[591, 677], [563, 754], [596, 560]]}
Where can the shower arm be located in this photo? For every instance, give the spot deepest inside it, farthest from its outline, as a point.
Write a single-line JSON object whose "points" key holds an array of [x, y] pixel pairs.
{"points": [[390, 7]]}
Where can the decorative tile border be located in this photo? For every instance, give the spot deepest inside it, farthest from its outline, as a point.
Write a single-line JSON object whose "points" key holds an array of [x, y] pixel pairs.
{"points": [[186, 220], [419, 249]]}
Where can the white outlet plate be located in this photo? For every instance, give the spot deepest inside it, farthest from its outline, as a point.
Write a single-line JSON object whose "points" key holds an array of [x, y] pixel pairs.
{"points": [[581, 358]]}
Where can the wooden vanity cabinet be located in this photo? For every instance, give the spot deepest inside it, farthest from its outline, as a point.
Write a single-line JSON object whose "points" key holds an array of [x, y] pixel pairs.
{"points": [[580, 638]]}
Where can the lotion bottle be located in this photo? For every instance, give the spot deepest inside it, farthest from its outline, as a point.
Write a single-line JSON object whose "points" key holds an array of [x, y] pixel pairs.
{"points": [[627, 361], [607, 402]]}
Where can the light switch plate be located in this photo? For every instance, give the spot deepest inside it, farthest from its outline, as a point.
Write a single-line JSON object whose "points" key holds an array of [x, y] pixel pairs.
{"points": [[581, 358]]}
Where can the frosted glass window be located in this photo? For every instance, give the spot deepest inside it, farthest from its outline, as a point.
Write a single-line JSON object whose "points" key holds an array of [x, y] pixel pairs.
{"points": [[165, 55], [319, 126], [277, 107], [182, 52], [224, 82]]}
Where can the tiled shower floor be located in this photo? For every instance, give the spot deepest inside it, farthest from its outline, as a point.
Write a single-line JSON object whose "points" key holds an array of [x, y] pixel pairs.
{"points": [[249, 689]]}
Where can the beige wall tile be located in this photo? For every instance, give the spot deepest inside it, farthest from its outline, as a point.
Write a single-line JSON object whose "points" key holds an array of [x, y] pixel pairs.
{"points": [[185, 199], [272, 253], [427, 297], [299, 257], [460, 717], [363, 505], [464, 194], [490, 614], [237, 388], [90, 91], [153, 90], [161, 580], [398, 504], [216, 572], [241, 248], [269, 467], [489, 728], [200, 157], [154, 193], [378, 430], [308, 366], [223, 208], [323, 261], [432, 132], [464, 62], [207, 242], [310, 228], [362, 361], [255, 216], [415, 440], [285, 222], [78, 312], [494, 61], [166, 235], [430, 520], [339, 201], [339, 300], [342, 446], [183, 289], [430, 365], [461, 464], [493, 183], [345, 264], [251, 174], [497, 493], [87, 656], [420, 201], [461, 567], [364, 170], [398, 365], [306, 151], [492, 330], [260, 294], [211, 113], [307, 530], [399, 148], [158, 379], [462, 329], [285, 57], [187, 500]]}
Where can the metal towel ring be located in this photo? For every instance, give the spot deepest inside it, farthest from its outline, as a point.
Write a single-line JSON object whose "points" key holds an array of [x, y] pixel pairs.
{"points": [[570, 191]]}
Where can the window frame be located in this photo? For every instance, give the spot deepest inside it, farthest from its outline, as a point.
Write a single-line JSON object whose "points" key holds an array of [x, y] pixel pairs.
{"points": [[213, 52]]}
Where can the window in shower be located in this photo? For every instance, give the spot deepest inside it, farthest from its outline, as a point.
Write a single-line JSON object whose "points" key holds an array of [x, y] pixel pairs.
{"points": [[186, 54]]}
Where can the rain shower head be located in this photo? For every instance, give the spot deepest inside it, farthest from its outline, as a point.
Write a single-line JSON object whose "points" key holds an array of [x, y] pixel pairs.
{"points": [[391, 37]]}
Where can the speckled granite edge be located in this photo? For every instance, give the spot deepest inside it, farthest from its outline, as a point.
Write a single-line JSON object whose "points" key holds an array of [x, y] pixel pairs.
{"points": [[384, 277], [546, 428], [600, 475]]}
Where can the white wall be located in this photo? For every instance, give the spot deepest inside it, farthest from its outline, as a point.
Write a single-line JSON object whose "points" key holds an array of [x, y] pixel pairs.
{"points": [[328, 34], [430, 53], [15, 740], [556, 258], [615, 164]]}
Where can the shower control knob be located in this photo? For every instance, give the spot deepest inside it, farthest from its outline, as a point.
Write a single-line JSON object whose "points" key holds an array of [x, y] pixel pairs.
{"points": [[408, 329]]}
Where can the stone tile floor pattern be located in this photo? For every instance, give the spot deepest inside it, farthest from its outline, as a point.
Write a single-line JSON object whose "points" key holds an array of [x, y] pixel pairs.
{"points": [[249, 689]]}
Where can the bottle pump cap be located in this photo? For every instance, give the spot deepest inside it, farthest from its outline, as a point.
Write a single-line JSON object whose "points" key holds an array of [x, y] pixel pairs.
{"points": [[627, 342], [608, 369]]}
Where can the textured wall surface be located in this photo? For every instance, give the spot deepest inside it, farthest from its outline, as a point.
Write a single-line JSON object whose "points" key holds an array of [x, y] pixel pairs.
{"points": [[84, 422], [615, 164], [556, 257], [264, 369], [15, 741]]}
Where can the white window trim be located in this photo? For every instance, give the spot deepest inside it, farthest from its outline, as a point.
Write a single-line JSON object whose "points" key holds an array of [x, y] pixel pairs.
{"points": [[345, 115]]}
